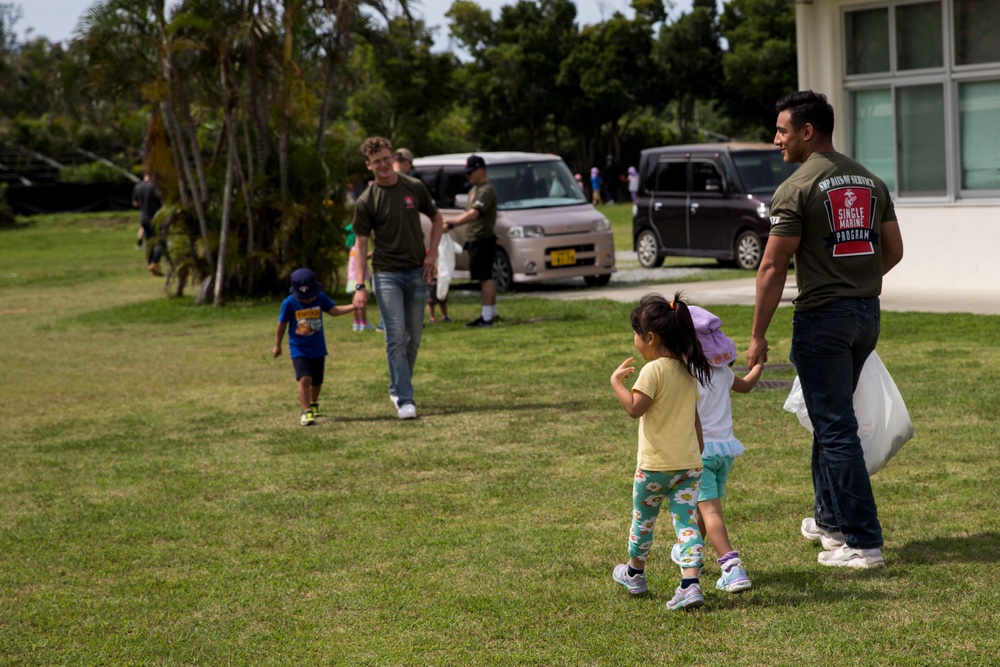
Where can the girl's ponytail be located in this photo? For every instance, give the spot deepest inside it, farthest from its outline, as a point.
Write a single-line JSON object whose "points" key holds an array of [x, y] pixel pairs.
{"points": [[671, 321]]}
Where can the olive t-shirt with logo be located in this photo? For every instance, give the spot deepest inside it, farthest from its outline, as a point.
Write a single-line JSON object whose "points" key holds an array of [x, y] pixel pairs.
{"points": [[391, 214], [837, 208], [483, 198]]}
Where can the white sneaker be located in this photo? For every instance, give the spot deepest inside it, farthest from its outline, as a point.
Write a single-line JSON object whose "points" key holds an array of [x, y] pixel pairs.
{"points": [[845, 556], [408, 411], [814, 533], [394, 399]]}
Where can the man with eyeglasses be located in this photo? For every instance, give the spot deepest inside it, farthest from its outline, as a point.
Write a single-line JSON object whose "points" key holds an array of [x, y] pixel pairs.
{"points": [[389, 209]]}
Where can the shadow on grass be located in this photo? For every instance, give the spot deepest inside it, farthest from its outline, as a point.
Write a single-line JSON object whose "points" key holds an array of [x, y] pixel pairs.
{"points": [[978, 548], [812, 586], [438, 411]]}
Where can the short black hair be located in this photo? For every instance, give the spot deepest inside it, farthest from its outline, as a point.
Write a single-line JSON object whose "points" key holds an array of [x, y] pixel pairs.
{"points": [[808, 106]]}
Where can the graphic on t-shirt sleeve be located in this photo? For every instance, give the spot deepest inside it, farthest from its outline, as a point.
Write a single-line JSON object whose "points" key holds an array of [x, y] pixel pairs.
{"points": [[308, 321], [851, 211]]}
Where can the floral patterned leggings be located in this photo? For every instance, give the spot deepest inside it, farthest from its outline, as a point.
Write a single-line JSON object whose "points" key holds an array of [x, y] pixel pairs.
{"points": [[680, 489]]}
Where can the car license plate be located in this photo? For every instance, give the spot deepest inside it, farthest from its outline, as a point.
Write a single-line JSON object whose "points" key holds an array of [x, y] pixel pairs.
{"points": [[563, 257]]}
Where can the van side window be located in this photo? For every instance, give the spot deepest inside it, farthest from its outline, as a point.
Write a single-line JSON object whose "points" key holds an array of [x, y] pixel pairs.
{"points": [[430, 179], [455, 183], [669, 177], [703, 172]]}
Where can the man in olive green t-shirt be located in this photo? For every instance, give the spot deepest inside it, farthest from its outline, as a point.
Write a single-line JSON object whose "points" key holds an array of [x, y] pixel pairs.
{"points": [[480, 239], [837, 220], [389, 210]]}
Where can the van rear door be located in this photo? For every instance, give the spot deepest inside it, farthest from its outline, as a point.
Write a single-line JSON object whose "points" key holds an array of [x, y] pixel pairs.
{"points": [[668, 201]]}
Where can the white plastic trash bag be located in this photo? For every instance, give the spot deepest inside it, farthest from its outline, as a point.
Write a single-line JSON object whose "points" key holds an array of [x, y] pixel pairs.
{"points": [[883, 422], [447, 249]]}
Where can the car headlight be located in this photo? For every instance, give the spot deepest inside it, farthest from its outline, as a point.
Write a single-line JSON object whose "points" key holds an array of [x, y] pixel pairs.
{"points": [[600, 225], [762, 211], [525, 232]]}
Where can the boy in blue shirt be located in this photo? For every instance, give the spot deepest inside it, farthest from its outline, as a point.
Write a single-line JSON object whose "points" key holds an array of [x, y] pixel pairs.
{"points": [[306, 342]]}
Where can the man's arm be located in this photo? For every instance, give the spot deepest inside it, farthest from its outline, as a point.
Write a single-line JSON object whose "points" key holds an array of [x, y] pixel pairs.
{"points": [[892, 245], [360, 259], [437, 228], [464, 218], [770, 284]]}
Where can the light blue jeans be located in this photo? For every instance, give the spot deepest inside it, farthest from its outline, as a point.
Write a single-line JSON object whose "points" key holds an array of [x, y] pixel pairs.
{"points": [[401, 298]]}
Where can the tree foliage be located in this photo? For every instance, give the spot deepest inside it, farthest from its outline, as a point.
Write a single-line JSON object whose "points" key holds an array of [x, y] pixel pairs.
{"points": [[761, 65], [249, 113]]}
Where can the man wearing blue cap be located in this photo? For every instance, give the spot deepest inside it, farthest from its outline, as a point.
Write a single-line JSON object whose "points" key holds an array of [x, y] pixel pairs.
{"points": [[480, 239]]}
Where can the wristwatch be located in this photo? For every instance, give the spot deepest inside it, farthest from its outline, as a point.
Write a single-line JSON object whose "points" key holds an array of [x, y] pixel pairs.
{"points": [[359, 287]]}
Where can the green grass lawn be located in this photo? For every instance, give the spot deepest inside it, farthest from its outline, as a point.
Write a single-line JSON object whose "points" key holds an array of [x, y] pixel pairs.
{"points": [[160, 505]]}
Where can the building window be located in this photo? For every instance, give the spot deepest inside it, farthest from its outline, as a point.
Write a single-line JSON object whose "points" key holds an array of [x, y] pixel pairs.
{"points": [[977, 24], [871, 134], [923, 101], [920, 140], [867, 35], [918, 36], [979, 120]]}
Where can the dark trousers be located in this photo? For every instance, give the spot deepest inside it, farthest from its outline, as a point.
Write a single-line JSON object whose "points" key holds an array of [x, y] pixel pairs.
{"points": [[829, 347]]}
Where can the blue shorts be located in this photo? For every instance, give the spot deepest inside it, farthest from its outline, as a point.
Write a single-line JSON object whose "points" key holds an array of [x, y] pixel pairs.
{"points": [[312, 366], [714, 473]]}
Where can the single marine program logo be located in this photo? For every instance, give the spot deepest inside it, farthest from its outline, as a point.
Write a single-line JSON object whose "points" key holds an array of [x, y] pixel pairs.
{"points": [[852, 214], [408, 201]]}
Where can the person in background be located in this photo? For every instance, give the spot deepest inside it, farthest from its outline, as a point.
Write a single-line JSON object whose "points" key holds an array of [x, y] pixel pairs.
{"points": [[480, 239], [633, 183], [595, 186], [146, 198], [402, 161], [611, 176]]}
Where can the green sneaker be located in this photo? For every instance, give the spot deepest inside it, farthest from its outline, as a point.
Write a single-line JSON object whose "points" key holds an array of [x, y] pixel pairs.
{"points": [[315, 410], [307, 418]]}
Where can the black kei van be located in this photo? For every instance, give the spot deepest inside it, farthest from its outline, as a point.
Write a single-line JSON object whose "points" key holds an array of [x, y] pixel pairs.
{"points": [[706, 200]]}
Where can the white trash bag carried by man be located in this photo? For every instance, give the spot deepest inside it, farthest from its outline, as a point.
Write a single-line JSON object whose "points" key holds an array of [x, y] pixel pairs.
{"points": [[883, 422], [447, 249]]}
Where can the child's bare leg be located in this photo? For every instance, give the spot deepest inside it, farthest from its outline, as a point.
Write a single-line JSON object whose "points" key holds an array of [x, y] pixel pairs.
{"points": [[314, 393], [711, 524], [444, 308], [305, 391], [359, 315]]}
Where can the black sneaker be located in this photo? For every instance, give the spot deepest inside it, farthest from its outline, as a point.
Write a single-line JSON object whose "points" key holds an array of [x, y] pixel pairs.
{"points": [[480, 322]]}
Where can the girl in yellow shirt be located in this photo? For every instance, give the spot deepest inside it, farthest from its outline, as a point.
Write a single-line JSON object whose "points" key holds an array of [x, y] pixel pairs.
{"points": [[668, 468]]}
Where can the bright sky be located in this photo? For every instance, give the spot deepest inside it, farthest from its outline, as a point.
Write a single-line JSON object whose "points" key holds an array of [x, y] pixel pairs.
{"points": [[56, 19]]}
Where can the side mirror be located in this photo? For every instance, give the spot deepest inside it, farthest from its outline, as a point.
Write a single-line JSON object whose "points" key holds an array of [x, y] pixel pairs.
{"points": [[461, 201], [713, 185]]}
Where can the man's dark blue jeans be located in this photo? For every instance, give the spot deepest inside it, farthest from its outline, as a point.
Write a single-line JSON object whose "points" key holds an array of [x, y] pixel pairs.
{"points": [[829, 347]]}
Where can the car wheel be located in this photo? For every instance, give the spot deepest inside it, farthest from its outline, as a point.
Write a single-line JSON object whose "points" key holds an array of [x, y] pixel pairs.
{"points": [[503, 274], [597, 281], [647, 249], [749, 251]]}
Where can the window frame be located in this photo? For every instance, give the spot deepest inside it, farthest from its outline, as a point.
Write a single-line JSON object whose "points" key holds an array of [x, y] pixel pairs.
{"points": [[949, 76]]}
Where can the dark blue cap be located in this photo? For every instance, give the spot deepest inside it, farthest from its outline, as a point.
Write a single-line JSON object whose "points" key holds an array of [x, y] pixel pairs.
{"points": [[474, 162], [304, 284]]}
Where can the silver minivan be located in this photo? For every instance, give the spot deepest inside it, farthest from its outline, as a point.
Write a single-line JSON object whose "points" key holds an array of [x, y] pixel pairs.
{"points": [[546, 229]]}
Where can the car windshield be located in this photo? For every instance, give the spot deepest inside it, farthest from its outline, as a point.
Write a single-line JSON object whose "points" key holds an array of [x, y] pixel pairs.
{"points": [[522, 185], [762, 171]]}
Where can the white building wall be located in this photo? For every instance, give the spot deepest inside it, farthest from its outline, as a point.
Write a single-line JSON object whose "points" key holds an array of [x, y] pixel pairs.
{"points": [[947, 246]]}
